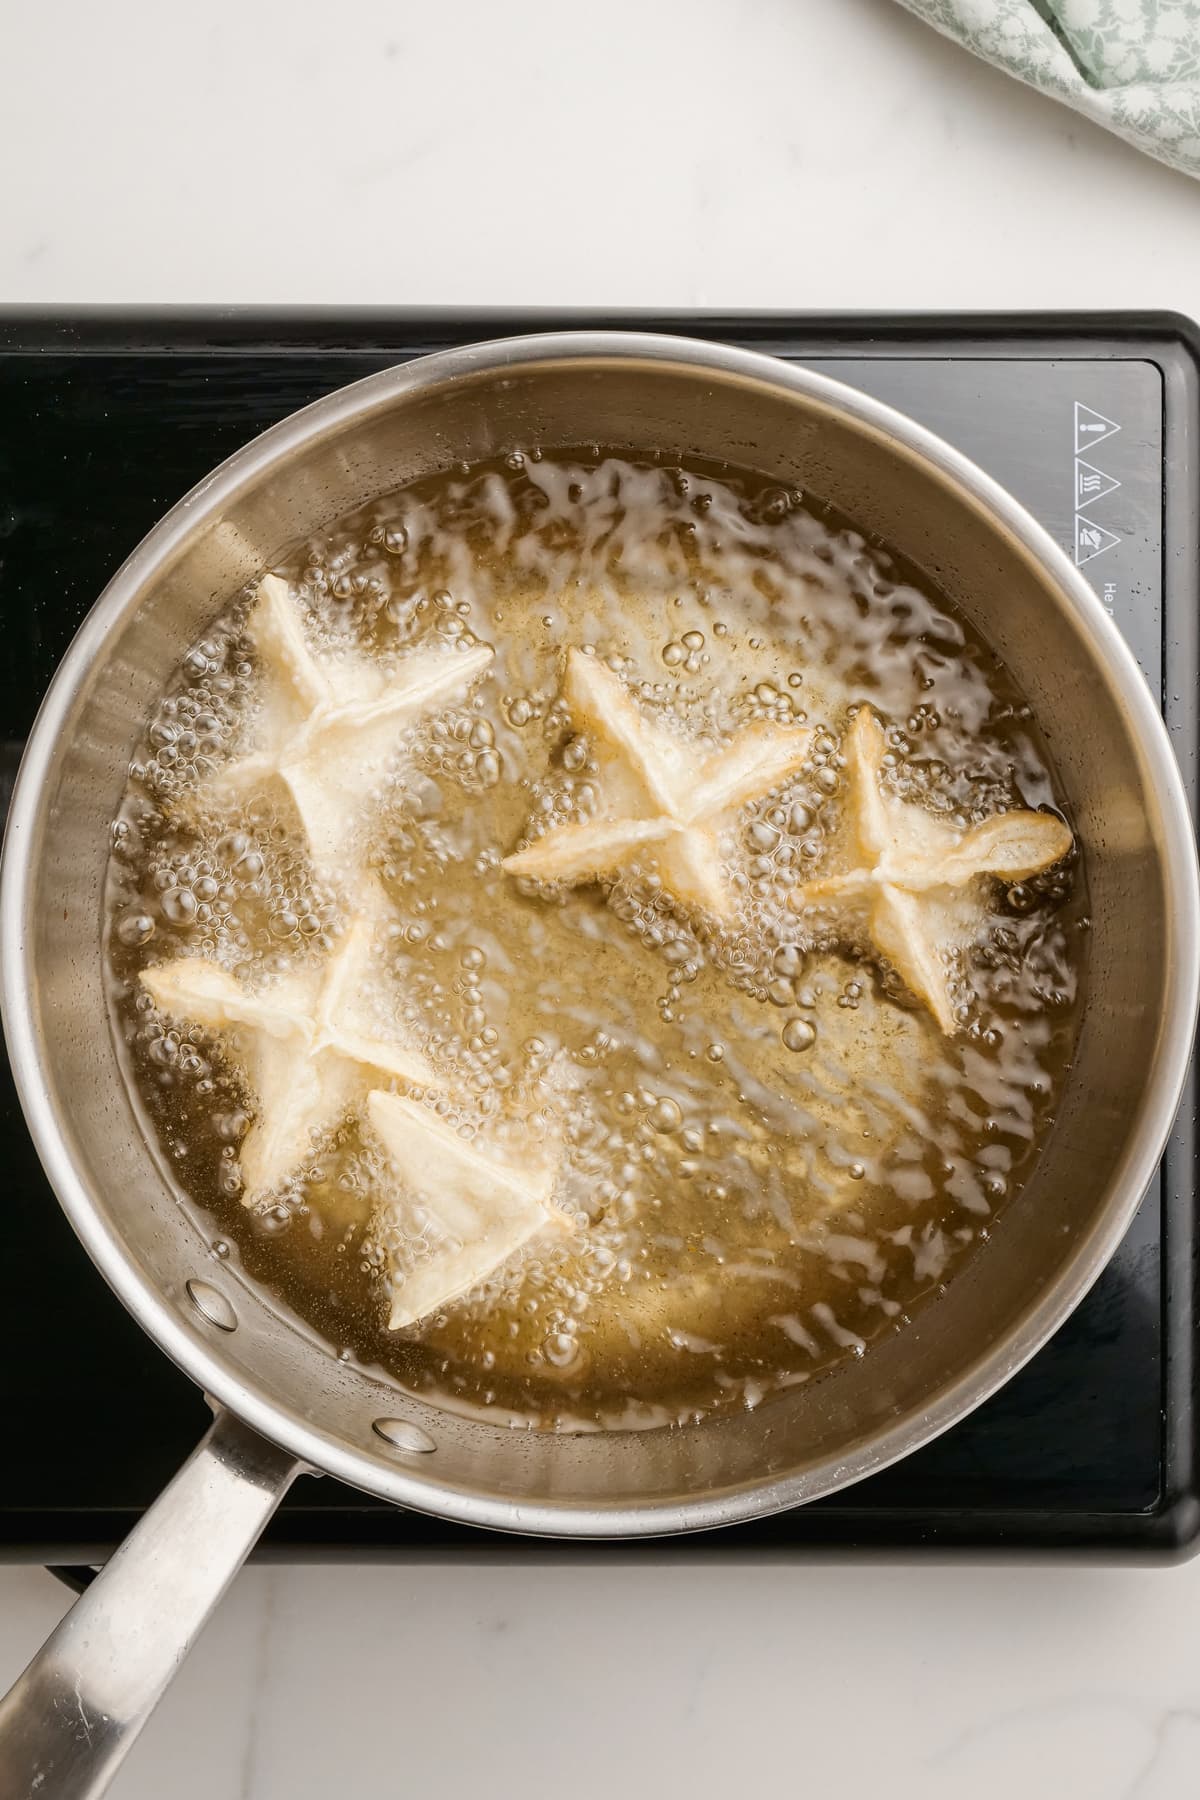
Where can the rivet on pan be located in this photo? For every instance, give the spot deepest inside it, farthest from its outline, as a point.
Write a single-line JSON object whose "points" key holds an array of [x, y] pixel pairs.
{"points": [[402, 1434], [211, 1304]]}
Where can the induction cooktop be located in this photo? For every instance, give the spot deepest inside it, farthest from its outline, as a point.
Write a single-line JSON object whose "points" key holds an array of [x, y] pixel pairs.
{"points": [[1091, 420]]}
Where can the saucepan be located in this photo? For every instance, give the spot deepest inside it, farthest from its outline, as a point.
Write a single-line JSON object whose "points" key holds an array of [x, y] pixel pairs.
{"points": [[284, 1404]]}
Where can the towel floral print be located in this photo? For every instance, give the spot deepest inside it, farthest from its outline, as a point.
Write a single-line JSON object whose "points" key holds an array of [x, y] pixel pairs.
{"points": [[1131, 65]]}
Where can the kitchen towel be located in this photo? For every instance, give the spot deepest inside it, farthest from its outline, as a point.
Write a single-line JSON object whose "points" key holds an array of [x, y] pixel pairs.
{"points": [[1132, 65]]}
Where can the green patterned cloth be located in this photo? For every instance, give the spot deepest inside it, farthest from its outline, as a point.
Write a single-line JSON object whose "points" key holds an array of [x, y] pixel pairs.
{"points": [[1132, 65]]}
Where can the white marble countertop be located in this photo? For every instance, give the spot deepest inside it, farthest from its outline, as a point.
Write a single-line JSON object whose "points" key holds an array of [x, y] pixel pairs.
{"points": [[722, 153]]}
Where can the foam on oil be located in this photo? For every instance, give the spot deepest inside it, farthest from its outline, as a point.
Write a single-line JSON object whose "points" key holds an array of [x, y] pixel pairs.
{"points": [[770, 1151]]}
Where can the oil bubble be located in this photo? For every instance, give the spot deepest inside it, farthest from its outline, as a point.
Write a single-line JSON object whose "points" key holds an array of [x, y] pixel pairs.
{"points": [[560, 1349], [666, 1115], [179, 905], [135, 928]]}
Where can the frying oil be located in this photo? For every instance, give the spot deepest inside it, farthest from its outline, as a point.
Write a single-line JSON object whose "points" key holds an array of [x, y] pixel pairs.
{"points": [[770, 1150]]}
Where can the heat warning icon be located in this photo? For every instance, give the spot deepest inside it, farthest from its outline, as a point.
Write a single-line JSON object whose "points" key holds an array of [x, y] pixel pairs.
{"points": [[1091, 483]]}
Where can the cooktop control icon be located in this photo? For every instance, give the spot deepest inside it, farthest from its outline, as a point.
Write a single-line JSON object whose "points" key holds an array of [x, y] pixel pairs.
{"points": [[1092, 483]]}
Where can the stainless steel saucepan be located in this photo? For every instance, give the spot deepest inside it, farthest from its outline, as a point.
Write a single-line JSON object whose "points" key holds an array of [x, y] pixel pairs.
{"points": [[283, 1403]]}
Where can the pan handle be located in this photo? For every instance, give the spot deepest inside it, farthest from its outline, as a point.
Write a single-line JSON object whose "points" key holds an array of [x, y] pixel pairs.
{"points": [[67, 1723]]}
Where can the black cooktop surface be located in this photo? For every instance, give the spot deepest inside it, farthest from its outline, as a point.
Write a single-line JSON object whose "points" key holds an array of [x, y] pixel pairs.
{"points": [[105, 420]]}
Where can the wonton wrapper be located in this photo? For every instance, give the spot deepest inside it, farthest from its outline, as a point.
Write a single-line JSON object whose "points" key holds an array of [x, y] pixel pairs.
{"points": [[912, 881], [664, 799], [473, 1206], [328, 729], [307, 1059]]}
